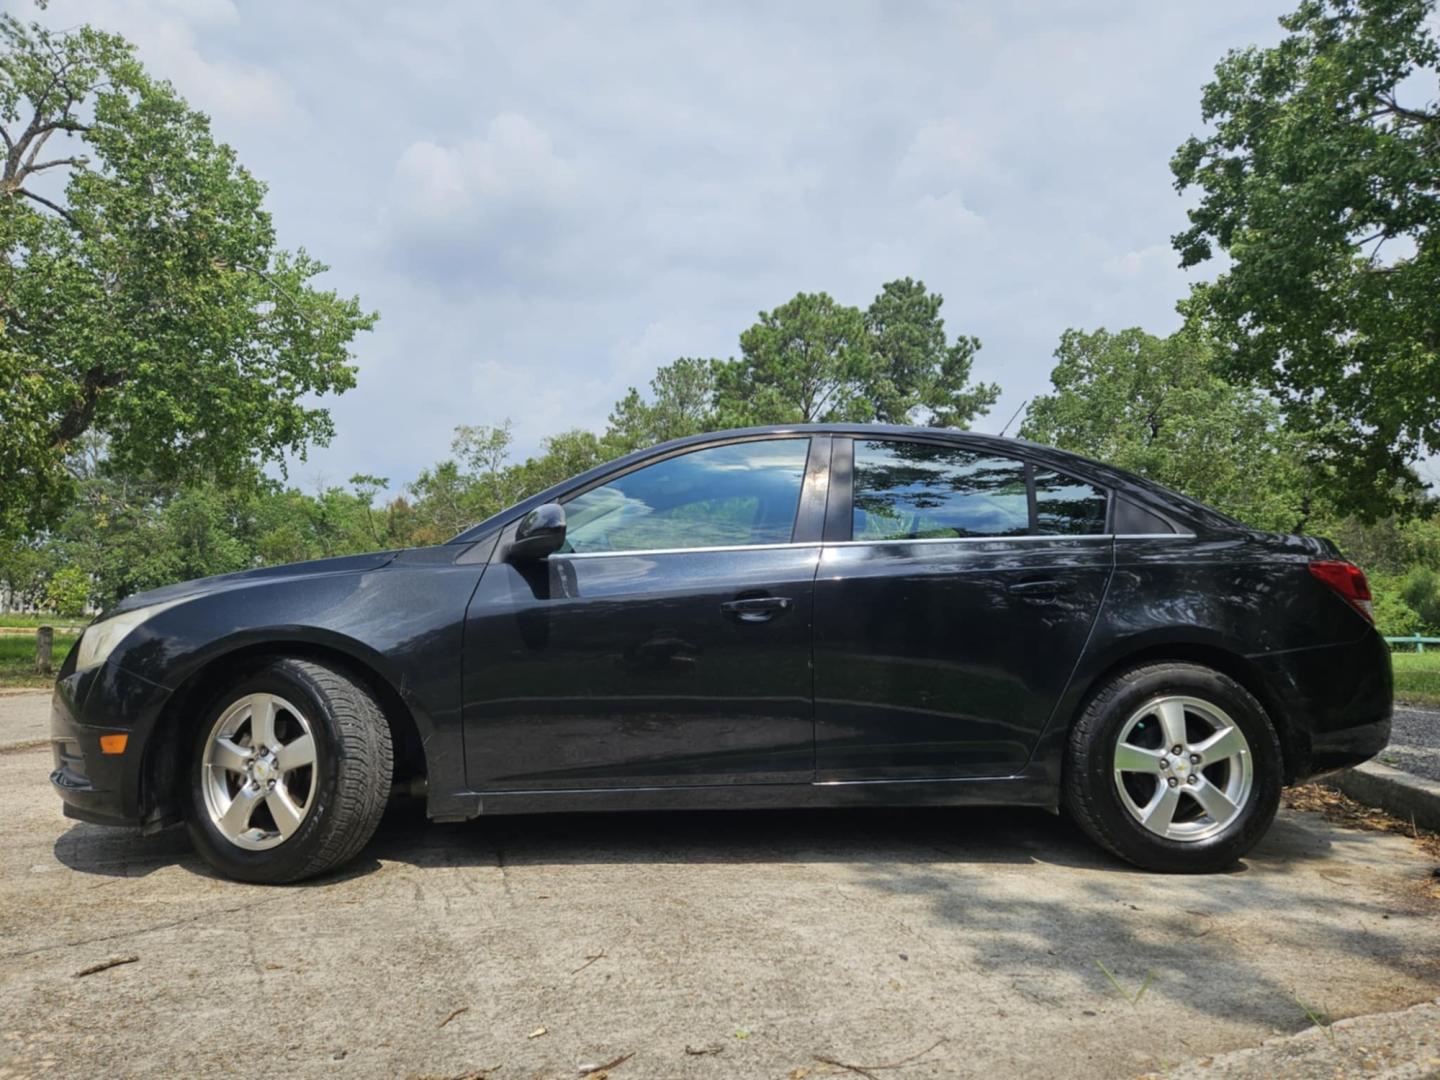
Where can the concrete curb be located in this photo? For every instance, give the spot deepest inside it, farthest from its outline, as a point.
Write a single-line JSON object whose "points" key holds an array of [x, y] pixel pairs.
{"points": [[1392, 1046], [1410, 798]]}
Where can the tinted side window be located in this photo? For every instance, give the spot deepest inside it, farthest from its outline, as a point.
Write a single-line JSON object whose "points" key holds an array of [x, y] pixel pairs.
{"points": [[740, 494], [910, 491], [1065, 506]]}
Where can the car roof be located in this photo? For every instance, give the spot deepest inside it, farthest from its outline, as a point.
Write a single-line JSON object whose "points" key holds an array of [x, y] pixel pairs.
{"points": [[1108, 475]]}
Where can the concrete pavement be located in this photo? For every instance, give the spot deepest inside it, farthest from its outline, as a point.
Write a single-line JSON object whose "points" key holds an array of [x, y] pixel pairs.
{"points": [[706, 945], [24, 718]]}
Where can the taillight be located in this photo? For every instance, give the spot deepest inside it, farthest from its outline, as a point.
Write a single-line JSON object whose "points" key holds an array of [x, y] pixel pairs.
{"points": [[1348, 580]]}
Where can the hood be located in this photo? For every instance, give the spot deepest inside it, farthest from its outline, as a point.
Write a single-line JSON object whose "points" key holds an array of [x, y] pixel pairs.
{"points": [[343, 564]]}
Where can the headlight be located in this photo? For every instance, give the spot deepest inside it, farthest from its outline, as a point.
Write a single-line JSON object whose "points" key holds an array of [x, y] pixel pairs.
{"points": [[100, 638]]}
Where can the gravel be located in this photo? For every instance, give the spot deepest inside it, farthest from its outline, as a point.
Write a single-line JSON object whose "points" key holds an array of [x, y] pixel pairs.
{"points": [[1414, 742]]}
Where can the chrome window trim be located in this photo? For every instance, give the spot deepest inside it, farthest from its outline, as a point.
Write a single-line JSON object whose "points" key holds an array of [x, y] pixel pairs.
{"points": [[868, 543], [684, 550], [970, 539]]}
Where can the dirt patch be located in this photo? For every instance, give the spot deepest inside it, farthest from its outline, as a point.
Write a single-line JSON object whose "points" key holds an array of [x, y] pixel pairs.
{"points": [[1340, 809]]}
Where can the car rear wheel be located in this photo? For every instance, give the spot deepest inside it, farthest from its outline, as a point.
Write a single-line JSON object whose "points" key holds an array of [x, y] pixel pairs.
{"points": [[1174, 767], [290, 773]]}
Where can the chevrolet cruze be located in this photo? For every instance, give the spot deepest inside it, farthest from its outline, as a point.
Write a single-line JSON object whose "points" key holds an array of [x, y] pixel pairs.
{"points": [[829, 615]]}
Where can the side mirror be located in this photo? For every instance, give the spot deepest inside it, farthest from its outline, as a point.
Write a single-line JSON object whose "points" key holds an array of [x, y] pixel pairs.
{"points": [[540, 533]]}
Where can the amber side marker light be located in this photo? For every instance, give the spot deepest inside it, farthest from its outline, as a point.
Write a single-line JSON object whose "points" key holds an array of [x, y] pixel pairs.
{"points": [[114, 744]]}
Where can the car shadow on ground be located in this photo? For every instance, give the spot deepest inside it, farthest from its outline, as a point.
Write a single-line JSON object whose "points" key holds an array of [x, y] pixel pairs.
{"points": [[1021, 895], [893, 837]]}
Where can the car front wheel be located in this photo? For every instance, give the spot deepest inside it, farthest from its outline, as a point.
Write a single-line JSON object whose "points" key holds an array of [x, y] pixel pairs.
{"points": [[1174, 767], [289, 774]]}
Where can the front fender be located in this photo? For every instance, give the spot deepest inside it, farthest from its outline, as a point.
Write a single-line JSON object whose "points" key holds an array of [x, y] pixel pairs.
{"points": [[400, 624]]}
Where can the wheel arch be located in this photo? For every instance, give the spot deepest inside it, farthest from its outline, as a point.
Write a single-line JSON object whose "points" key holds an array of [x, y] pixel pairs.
{"points": [[1206, 653], [162, 768]]}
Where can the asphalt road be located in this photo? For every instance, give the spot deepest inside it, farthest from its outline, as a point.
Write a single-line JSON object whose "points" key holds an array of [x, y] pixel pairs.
{"points": [[706, 945], [1415, 742]]}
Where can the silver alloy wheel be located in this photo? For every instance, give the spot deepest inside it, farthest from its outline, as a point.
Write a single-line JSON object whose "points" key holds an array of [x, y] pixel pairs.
{"points": [[1183, 767], [258, 771]]}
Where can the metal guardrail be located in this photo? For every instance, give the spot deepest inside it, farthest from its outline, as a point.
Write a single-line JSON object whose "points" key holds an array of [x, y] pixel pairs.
{"points": [[1416, 640]]}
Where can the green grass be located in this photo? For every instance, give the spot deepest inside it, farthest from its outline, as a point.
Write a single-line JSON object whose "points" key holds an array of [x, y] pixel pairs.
{"points": [[17, 660], [18, 619], [1417, 676]]}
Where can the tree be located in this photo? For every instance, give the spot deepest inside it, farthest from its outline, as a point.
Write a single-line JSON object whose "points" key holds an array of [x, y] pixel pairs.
{"points": [[142, 294], [807, 361], [68, 592], [1157, 407], [813, 359], [564, 455], [682, 403], [916, 370], [1321, 182]]}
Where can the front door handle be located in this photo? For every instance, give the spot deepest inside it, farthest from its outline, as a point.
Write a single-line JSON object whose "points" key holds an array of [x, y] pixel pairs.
{"points": [[1040, 590], [757, 608]]}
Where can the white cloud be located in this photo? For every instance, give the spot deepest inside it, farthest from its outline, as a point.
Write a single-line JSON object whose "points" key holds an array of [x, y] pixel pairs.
{"points": [[167, 32], [513, 164], [943, 151], [546, 200]]}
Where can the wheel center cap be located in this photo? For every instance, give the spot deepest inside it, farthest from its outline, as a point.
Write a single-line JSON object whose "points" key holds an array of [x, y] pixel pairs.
{"points": [[262, 770], [1182, 766]]}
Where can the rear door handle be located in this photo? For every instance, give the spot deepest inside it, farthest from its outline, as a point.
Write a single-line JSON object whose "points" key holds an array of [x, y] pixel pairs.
{"points": [[1040, 590], [757, 608]]}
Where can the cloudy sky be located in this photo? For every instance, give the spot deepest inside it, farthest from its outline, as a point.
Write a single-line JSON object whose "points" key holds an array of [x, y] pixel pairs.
{"points": [[547, 201]]}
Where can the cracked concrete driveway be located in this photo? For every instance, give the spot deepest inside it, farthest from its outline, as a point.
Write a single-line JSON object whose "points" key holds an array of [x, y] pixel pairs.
{"points": [[705, 945]]}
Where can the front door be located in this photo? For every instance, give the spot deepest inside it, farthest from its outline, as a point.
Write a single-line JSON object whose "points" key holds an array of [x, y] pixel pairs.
{"points": [[952, 611], [667, 643]]}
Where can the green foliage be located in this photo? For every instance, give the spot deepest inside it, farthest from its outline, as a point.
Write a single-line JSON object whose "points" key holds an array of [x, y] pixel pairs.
{"points": [[813, 359], [68, 592], [806, 361], [1157, 407], [916, 371], [1319, 182], [681, 403], [142, 294], [1393, 615], [1420, 590], [1390, 546], [24, 568]]}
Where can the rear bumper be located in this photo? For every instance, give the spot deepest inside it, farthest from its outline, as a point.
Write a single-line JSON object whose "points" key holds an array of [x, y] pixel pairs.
{"points": [[105, 789], [1337, 701]]}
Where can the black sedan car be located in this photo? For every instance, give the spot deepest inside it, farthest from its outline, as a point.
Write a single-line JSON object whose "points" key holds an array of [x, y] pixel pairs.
{"points": [[832, 615]]}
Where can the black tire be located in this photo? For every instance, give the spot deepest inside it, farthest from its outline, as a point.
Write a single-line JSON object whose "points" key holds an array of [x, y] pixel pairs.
{"points": [[351, 776], [1089, 788]]}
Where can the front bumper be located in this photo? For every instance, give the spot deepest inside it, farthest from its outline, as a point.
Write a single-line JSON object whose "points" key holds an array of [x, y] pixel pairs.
{"points": [[106, 789]]}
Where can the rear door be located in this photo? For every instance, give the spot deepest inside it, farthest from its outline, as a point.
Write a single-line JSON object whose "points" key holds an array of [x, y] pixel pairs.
{"points": [[955, 594], [668, 642]]}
